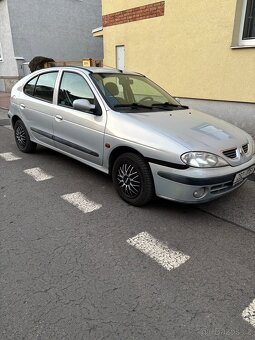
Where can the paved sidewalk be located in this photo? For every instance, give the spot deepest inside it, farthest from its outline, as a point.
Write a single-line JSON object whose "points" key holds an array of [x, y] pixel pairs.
{"points": [[4, 100], [3, 114]]}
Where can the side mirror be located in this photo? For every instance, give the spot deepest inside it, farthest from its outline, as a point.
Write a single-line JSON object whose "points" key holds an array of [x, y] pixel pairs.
{"points": [[83, 105]]}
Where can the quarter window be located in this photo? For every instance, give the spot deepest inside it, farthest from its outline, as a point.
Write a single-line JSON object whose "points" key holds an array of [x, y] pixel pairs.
{"points": [[73, 86], [30, 87]]}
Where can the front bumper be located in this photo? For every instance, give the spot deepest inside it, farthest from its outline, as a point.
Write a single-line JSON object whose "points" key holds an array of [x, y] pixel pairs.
{"points": [[184, 185]]}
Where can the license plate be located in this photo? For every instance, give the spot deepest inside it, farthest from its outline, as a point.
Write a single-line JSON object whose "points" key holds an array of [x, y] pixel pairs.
{"points": [[243, 174]]}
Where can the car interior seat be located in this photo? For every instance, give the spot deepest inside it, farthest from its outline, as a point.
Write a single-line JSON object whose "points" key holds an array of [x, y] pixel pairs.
{"points": [[112, 93]]}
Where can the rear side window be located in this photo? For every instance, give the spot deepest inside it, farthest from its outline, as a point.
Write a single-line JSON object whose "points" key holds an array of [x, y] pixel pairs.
{"points": [[44, 87], [30, 87]]}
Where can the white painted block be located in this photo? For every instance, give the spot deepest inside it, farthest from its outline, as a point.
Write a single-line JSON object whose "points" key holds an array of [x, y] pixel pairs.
{"points": [[9, 156], [168, 258], [81, 202], [38, 174], [249, 313]]}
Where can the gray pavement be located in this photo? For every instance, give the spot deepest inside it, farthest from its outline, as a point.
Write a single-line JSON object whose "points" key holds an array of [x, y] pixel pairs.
{"points": [[66, 274], [3, 114], [4, 100]]}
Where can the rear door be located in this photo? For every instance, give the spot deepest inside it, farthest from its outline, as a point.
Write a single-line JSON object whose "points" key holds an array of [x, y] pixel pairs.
{"points": [[36, 106], [76, 132]]}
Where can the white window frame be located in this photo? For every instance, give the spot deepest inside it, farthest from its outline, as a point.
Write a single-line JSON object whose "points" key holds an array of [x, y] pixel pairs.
{"points": [[1, 53], [244, 42]]}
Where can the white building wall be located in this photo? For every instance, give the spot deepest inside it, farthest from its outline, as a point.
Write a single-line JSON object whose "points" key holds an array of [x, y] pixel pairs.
{"points": [[8, 66]]}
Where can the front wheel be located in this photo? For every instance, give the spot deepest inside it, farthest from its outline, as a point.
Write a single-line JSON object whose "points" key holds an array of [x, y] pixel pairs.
{"points": [[132, 178], [22, 138]]}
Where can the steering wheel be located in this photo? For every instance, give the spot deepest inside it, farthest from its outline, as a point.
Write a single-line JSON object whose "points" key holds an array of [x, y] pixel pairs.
{"points": [[146, 99]]}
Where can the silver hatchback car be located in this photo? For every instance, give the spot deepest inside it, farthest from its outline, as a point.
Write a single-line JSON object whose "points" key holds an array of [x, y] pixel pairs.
{"points": [[127, 126]]}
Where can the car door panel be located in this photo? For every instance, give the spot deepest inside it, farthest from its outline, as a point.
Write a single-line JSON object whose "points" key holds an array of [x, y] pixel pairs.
{"points": [[37, 112], [80, 133], [39, 120], [76, 132]]}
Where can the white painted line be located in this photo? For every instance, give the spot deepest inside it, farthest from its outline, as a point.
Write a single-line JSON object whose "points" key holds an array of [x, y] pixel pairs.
{"points": [[8, 127], [81, 202], [9, 156], [158, 251], [38, 174], [249, 313]]}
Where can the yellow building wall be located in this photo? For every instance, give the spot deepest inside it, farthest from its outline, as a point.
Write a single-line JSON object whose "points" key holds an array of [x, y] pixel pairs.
{"points": [[187, 51]]}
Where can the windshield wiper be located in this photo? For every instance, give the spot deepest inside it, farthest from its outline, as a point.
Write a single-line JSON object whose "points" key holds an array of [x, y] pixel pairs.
{"points": [[134, 106], [167, 105]]}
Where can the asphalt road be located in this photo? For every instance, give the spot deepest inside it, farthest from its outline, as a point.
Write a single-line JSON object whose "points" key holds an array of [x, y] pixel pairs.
{"points": [[69, 273]]}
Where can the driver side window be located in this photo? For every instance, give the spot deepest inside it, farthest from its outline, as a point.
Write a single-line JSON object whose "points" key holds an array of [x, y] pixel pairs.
{"points": [[73, 86]]}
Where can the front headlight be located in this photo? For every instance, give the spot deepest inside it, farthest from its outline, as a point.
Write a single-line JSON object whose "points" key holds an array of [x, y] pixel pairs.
{"points": [[203, 160]]}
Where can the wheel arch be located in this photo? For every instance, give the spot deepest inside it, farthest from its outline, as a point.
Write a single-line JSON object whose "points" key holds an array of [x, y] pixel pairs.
{"points": [[119, 151], [14, 119]]}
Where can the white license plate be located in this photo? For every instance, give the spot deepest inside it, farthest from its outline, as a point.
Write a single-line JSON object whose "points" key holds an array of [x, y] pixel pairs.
{"points": [[243, 174]]}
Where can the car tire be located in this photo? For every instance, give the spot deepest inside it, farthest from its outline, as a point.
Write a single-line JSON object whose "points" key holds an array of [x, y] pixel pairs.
{"points": [[132, 179], [22, 138]]}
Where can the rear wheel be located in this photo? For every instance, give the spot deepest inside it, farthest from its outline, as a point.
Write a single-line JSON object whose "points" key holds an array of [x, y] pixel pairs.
{"points": [[22, 138], [132, 179]]}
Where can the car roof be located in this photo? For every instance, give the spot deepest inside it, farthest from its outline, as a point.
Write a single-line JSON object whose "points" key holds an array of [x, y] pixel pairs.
{"points": [[90, 70]]}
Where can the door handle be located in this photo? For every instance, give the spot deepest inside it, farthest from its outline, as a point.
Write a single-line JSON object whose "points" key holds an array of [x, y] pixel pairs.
{"points": [[58, 118], [22, 106]]}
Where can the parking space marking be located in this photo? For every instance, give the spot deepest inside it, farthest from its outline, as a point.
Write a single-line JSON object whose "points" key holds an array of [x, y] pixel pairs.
{"points": [[249, 313], [81, 202], [168, 258], [9, 156], [38, 174], [8, 127]]}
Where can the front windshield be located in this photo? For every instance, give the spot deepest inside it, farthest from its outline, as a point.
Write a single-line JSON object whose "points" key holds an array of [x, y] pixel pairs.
{"points": [[127, 92]]}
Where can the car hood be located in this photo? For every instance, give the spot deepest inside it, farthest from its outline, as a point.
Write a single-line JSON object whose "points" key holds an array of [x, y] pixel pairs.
{"points": [[191, 129], [194, 129]]}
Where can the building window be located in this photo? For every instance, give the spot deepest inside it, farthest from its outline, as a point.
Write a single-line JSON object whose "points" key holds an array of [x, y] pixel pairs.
{"points": [[1, 53], [244, 28], [248, 22]]}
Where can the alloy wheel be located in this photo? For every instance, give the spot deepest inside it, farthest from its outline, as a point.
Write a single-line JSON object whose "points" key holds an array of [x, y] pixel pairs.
{"points": [[129, 180], [21, 136]]}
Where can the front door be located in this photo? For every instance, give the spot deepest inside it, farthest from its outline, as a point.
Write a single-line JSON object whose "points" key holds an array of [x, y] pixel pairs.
{"points": [[120, 57], [76, 132]]}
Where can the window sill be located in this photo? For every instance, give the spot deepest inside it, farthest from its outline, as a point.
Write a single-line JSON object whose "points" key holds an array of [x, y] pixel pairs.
{"points": [[242, 46]]}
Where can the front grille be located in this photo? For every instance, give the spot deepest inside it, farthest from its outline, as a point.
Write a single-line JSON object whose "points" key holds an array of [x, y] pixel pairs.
{"points": [[230, 153], [245, 147]]}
